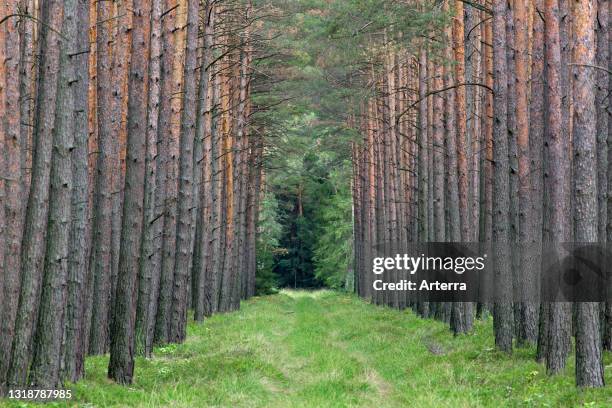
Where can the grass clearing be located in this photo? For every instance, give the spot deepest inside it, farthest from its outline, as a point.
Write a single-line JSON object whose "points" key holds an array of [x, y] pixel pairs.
{"points": [[327, 349]]}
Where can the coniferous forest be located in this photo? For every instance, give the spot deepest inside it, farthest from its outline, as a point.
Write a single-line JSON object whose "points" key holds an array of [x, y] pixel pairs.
{"points": [[194, 191]]}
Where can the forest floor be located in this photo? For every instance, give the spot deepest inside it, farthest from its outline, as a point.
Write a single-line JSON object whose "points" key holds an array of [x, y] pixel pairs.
{"points": [[327, 349]]}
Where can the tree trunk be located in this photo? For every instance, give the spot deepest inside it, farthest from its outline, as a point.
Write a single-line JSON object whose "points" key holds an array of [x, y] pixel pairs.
{"points": [[183, 230], [601, 99], [149, 256], [100, 261], [4, 353], [45, 370], [34, 238], [607, 333], [423, 149], [120, 73], [589, 363], [172, 60], [203, 133], [11, 186], [27, 82], [121, 365], [557, 335], [502, 318], [74, 347], [438, 159], [526, 332]]}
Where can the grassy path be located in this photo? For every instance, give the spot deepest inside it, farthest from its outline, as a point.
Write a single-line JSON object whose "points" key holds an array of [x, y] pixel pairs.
{"points": [[324, 349]]}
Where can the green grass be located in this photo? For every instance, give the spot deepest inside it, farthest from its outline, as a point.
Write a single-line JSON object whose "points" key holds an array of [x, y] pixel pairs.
{"points": [[326, 349]]}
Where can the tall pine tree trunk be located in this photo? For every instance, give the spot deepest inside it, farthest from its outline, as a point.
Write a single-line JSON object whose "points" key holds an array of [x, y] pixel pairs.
{"points": [[45, 370], [74, 348], [502, 318], [121, 365], [556, 335], [11, 185], [35, 232], [589, 363], [186, 202], [149, 254], [100, 261]]}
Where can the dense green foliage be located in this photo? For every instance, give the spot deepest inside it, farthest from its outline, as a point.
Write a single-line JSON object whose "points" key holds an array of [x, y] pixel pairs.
{"points": [[320, 58], [307, 349], [314, 204], [269, 233], [307, 152], [333, 252]]}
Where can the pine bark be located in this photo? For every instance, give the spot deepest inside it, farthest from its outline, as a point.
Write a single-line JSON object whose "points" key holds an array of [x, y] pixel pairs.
{"points": [[174, 48], [11, 185], [555, 335], [526, 332], [74, 347], [589, 363], [4, 353], [203, 135], [100, 261], [45, 369], [601, 103], [35, 230], [150, 256], [502, 317], [185, 203], [120, 73], [423, 149], [121, 365]]}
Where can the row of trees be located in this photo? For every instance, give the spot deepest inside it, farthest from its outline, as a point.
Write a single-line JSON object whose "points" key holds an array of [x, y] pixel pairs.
{"points": [[492, 128], [130, 170]]}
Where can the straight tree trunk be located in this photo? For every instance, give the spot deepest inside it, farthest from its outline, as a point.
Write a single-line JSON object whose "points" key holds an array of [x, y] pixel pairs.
{"points": [[27, 79], [243, 134], [526, 321], [3, 145], [423, 149], [555, 331], [513, 214], [214, 268], [162, 166], [74, 347], [475, 108], [228, 207], [149, 256], [487, 128], [601, 99], [90, 95], [174, 50], [438, 159], [462, 133], [11, 186], [45, 369], [121, 365], [589, 363], [255, 209], [530, 311], [371, 215], [607, 333], [183, 230], [100, 261], [35, 230], [120, 73], [502, 317], [203, 130]]}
